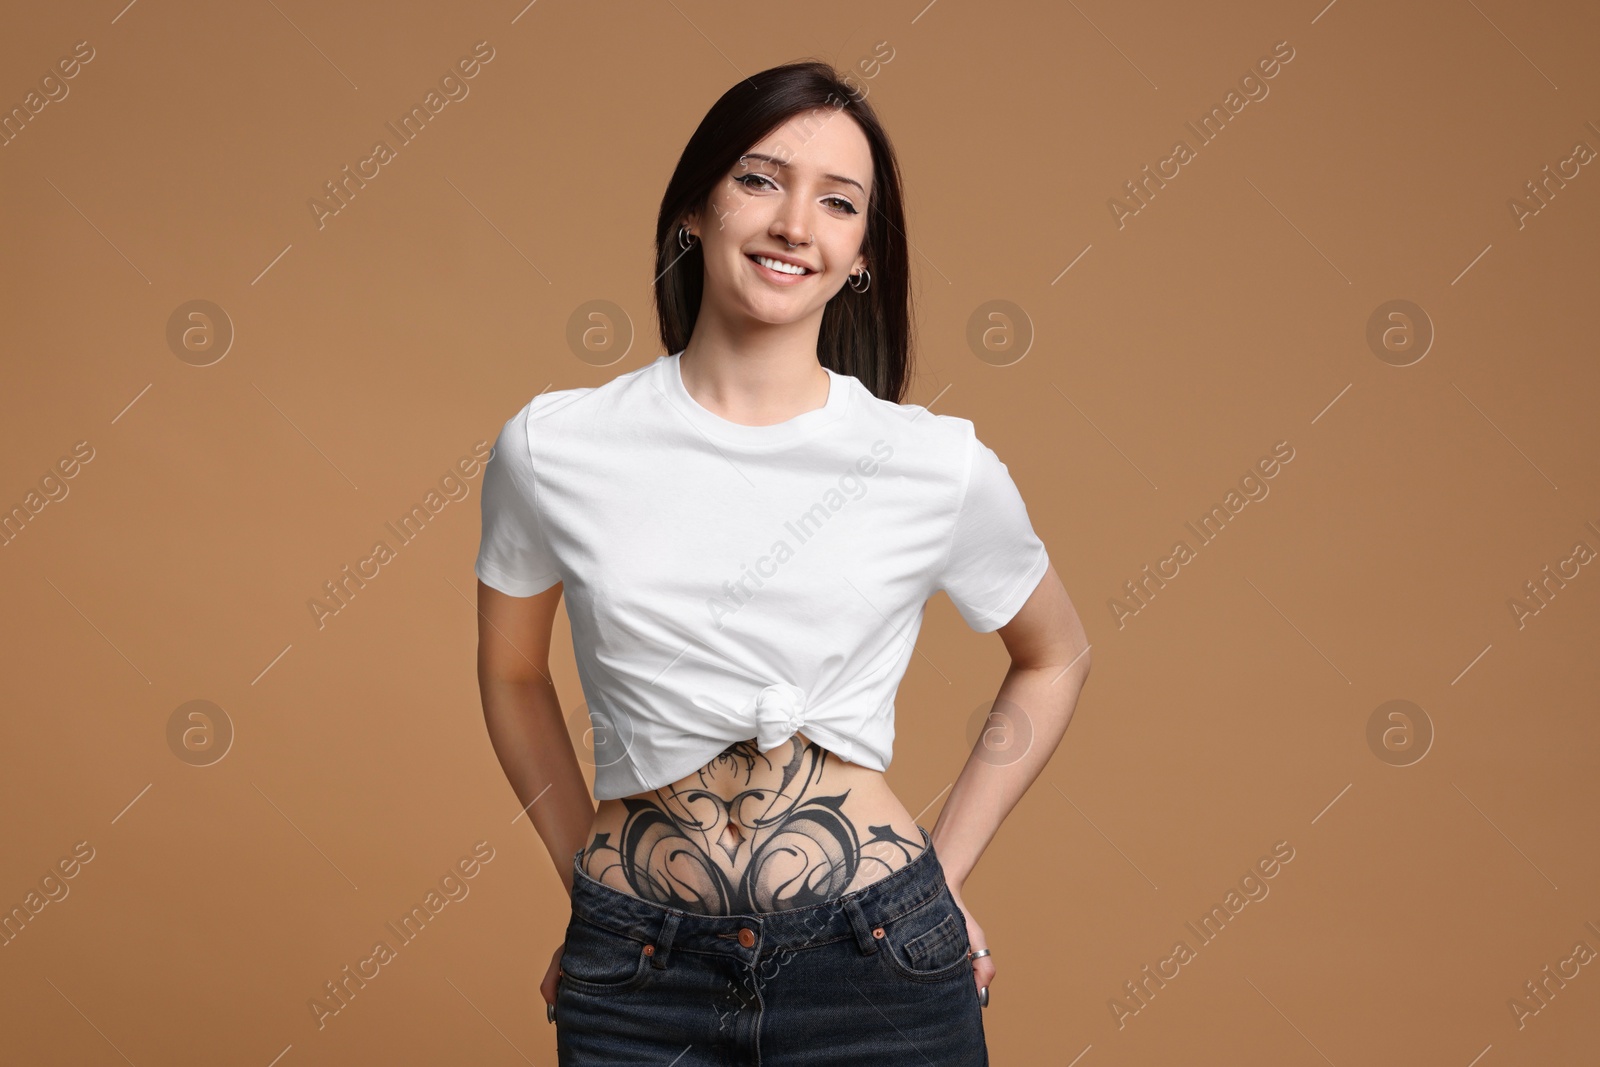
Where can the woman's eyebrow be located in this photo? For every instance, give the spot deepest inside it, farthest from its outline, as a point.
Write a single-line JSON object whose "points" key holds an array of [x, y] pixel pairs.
{"points": [[782, 163]]}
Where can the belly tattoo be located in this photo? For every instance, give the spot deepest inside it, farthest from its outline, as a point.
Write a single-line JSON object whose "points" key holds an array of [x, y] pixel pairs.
{"points": [[727, 847]]}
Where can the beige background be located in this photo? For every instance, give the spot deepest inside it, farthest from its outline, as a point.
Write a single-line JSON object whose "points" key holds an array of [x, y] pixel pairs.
{"points": [[1229, 314]]}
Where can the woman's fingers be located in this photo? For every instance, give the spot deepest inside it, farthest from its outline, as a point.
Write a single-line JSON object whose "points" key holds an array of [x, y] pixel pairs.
{"points": [[983, 970], [983, 967], [547, 988]]}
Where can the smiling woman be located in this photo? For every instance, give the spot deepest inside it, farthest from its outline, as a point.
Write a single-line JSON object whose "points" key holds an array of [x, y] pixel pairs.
{"points": [[788, 219], [748, 875]]}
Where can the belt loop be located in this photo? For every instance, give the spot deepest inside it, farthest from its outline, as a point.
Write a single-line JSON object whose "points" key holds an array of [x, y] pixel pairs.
{"points": [[669, 930], [858, 922]]}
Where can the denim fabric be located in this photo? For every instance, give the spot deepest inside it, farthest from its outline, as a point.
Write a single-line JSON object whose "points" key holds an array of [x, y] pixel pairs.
{"points": [[877, 976]]}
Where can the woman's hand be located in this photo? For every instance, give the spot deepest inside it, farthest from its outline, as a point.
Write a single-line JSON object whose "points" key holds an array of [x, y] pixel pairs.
{"points": [[983, 967], [547, 988]]}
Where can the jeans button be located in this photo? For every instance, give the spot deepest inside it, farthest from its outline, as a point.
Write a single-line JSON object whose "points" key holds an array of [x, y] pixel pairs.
{"points": [[747, 936]]}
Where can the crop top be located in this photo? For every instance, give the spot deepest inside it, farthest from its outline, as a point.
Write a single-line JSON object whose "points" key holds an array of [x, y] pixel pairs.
{"points": [[726, 581]]}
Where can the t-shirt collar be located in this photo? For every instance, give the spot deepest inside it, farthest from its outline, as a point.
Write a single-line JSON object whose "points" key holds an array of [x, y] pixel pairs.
{"points": [[756, 438]]}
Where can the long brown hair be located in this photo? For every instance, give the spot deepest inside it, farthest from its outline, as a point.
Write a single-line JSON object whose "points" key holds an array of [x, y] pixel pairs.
{"points": [[868, 334]]}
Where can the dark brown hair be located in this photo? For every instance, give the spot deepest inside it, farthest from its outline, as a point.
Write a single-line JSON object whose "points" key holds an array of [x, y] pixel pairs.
{"points": [[868, 334]]}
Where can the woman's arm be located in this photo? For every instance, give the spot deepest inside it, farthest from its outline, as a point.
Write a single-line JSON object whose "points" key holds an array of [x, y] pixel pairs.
{"points": [[526, 726], [1049, 664]]}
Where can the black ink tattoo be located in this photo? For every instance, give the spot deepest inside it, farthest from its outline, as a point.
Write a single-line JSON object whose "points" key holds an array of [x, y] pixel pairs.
{"points": [[765, 849]]}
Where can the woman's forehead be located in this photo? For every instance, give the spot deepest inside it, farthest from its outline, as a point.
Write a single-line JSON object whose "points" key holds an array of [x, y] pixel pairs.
{"points": [[832, 149]]}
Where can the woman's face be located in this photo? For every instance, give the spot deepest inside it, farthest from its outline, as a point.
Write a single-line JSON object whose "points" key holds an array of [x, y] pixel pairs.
{"points": [[807, 183]]}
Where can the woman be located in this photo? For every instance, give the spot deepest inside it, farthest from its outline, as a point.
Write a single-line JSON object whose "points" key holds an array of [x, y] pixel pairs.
{"points": [[747, 530]]}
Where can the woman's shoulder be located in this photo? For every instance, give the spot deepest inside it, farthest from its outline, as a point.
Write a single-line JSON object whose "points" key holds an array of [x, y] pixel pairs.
{"points": [[625, 388], [549, 404], [917, 421]]}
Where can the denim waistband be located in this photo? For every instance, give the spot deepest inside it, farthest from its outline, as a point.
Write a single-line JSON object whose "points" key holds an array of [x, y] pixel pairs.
{"points": [[850, 915]]}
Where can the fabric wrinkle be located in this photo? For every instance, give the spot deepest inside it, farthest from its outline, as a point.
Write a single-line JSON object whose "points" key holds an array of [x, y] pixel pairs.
{"points": [[779, 714]]}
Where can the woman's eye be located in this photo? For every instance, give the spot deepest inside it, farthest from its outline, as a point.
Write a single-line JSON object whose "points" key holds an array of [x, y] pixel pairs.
{"points": [[748, 180]]}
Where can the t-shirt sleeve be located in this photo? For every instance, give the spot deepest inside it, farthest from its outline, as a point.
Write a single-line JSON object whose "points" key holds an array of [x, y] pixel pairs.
{"points": [[995, 559], [513, 553]]}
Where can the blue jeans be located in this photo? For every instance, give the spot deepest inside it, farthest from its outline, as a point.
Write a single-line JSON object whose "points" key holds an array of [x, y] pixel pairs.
{"points": [[875, 977]]}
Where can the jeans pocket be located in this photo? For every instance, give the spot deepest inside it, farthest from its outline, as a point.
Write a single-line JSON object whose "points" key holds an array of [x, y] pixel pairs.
{"points": [[598, 961], [928, 943]]}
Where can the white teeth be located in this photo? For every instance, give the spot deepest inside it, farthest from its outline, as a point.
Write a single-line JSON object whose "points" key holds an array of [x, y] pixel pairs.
{"points": [[779, 265]]}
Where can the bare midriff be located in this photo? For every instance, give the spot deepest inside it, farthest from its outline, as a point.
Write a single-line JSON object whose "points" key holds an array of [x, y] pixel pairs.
{"points": [[750, 833]]}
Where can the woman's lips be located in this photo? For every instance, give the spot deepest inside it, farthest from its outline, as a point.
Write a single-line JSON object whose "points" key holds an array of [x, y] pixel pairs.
{"points": [[777, 276]]}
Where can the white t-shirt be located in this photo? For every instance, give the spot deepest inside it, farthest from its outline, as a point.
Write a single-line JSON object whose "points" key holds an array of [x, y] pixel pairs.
{"points": [[726, 581]]}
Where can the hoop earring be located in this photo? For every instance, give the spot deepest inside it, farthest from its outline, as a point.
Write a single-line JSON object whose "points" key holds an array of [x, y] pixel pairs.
{"points": [[685, 238], [865, 273]]}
